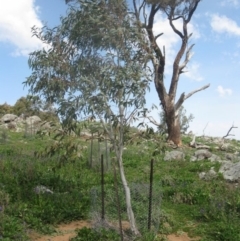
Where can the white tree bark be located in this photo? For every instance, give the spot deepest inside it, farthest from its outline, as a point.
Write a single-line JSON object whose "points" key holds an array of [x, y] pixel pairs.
{"points": [[118, 148], [130, 213]]}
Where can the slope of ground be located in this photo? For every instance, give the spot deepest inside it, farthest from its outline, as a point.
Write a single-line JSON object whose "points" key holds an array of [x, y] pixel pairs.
{"points": [[65, 232]]}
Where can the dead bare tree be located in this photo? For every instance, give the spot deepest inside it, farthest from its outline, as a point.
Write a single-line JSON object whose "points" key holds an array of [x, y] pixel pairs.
{"points": [[196, 145], [228, 133], [145, 12], [204, 129]]}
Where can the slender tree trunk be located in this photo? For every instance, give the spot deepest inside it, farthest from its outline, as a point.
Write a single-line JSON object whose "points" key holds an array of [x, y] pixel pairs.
{"points": [[127, 194]]}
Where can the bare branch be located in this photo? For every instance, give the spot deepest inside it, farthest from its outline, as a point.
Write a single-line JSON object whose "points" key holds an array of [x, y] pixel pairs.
{"points": [[196, 145], [150, 32], [190, 35], [228, 133], [193, 142], [183, 97], [142, 6], [192, 11], [174, 28], [195, 91], [131, 117], [135, 9], [177, 18], [176, 70], [156, 37], [189, 55], [204, 129], [180, 101], [138, 10], [144, 14], [151, 119]]}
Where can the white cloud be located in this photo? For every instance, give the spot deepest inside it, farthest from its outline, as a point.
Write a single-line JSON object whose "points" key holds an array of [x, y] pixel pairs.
{"points": [[193, 72], [17, 17], [223, 24], [230, 3], [223, 92]]}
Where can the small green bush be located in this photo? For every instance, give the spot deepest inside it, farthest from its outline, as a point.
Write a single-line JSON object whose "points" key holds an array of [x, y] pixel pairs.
{"points": [[87, 234]]}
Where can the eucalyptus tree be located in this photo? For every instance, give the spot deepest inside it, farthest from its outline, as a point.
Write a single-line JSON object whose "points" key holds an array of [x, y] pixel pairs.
{"points": [[145, 12], [93, 64]]}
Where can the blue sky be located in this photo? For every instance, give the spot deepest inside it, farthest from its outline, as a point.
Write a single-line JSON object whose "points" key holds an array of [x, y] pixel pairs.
{"points": [[216, 59]]}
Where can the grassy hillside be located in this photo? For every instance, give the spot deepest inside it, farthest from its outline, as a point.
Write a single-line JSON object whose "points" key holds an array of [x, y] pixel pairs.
{"points": [[206, 208]]}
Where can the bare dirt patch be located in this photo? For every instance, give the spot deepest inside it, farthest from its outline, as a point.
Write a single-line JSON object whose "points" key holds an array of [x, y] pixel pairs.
{"points": [[181, 237], [64, 232]]}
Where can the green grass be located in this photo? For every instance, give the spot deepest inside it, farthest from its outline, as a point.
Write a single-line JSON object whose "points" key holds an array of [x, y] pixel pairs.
{"points": [[208, 209]]}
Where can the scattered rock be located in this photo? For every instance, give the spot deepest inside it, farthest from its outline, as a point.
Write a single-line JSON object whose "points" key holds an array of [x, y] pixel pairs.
{"points": [[174, 155], [225, 146], [230, 171], [214, 158], [211, 174], [193, 159], [232, 157], [199, 146], [202, 154]]}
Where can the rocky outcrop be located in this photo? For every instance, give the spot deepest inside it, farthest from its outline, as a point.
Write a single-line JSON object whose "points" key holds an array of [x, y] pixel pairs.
{"points": [[230, 168], [46, 125], [8, 118], [18, 124], [33, 120], [86, 135]]}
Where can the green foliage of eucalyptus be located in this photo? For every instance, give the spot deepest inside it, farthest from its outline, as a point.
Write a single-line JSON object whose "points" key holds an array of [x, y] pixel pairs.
{"points": [[65, 144], [95, 63]]}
